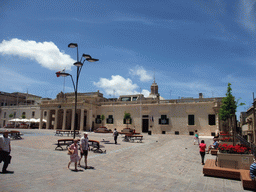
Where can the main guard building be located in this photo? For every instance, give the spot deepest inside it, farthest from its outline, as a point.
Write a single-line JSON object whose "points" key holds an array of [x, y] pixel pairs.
{"points": [[177, 116]]}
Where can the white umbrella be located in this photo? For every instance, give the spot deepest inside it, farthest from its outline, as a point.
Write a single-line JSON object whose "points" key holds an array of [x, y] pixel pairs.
{"points": [[16, 120], [24, 120], [33, 120]]}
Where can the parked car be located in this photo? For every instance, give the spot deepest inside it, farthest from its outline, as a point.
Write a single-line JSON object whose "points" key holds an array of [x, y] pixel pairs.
{"points": [[103, 130]]}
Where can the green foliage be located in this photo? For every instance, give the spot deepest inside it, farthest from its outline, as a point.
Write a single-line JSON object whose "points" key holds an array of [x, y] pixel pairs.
{"points": [[229, 105], [23, 116], [127, 115], [102, 117], [11, 115]]}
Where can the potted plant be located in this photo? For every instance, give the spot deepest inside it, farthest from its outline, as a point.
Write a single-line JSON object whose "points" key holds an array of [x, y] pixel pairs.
{"points": [[127, 118], [11, 115], [236, 157], [102, 117]]}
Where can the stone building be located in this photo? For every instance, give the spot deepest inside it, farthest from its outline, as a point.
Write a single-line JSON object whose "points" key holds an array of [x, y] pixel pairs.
{"points": [[153, 113]]}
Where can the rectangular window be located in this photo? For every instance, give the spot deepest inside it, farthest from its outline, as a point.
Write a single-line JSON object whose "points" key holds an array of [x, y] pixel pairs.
{"points": [[191, 120], [4, 114], [127, 121], [213, 134], [33, 114], [98, 120], [45, 113], [14, 115], [211, 119], [134, 98], [163, 120], [126, 99], [191, 133], [110, 119], [177, 133]]}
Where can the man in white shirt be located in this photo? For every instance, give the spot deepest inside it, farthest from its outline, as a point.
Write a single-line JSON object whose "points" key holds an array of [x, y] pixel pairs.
{"points": [[5, 150], [84, 147]]}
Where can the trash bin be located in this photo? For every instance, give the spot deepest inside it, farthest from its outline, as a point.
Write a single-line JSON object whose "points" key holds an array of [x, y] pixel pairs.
{"points": [[163, 132], [149, 132]]}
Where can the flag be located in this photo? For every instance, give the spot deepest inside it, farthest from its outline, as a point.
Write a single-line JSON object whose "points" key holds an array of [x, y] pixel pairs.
{"points": [[58, 73]]}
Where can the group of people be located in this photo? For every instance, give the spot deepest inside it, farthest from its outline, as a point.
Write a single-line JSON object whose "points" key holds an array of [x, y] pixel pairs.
{"points": [[84, 148], [202, 146]]}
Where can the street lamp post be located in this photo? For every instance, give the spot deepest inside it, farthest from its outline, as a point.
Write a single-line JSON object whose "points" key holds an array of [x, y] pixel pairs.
{"points": [[79, 65]]}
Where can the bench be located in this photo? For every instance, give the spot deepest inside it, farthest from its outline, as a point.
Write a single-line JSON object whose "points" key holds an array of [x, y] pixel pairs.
{"points": [[16, 135], [211, 169], [64, 142], [133, 137], [67, 132], [214, 151], [247, 182], [96, 146]]}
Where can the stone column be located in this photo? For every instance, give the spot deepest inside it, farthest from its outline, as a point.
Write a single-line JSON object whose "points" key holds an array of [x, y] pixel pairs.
{"points": [[64, 120], [217, 123], [82, 120], [41, 119], [48, 119], [73, 120], [56, 119]]}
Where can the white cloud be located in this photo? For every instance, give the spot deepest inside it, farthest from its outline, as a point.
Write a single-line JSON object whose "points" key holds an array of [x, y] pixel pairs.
{"points": [[119, 85], [141, 72], [247, 14], [46, 54]]}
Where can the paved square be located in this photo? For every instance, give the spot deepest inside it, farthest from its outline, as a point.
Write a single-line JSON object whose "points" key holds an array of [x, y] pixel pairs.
{"points": [[160, 163]]}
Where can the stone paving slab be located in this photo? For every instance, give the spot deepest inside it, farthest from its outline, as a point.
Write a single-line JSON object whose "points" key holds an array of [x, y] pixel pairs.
{"points": [[159, 163]]}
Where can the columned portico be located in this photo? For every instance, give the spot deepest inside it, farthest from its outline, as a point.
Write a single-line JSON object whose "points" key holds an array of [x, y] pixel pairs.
{"points": [[82, 120], [56, 119], [64, 119], [48, 119], [41, 119], [73, 120]]}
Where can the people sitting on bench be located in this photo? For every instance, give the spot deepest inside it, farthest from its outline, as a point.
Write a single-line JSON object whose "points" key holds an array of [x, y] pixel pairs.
{"points": [[253, 170], [213, 146]]}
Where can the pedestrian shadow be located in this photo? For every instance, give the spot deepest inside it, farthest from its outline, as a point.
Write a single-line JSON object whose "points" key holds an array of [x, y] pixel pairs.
{"points": [[113, 143], [8, 172], [79, 170], [88, 167]]}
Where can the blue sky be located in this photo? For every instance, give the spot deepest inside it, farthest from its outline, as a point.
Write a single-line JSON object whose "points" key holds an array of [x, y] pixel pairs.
{"points": [[192, 46]]}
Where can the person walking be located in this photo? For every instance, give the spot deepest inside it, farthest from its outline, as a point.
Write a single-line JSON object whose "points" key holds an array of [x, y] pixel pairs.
{"points": [[73, 149], [196, 138], [253, 170], [5, 150], [115, 135], [202, 147], [84, 147]]}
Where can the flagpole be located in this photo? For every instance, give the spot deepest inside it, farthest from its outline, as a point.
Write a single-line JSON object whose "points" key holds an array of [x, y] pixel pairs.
{"points": [[64, 82]]}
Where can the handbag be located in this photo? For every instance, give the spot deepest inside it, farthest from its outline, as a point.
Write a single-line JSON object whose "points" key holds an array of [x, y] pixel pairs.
{"points": [[70, 152]]}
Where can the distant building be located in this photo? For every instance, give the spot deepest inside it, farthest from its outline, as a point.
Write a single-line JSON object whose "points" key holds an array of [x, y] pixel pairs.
{"points": [[153, 113]]}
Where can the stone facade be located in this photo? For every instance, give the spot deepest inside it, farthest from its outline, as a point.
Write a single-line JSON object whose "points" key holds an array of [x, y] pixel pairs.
{"points": [[153, 113]]}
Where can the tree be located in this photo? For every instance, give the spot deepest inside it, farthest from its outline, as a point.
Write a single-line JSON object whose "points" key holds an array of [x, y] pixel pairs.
{"points": [[102, 117], [228, 109], [127, 117]]}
